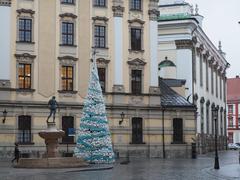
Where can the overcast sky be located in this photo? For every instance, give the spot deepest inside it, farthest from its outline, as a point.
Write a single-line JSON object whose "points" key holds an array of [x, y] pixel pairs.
{"points": [[220, 22]]}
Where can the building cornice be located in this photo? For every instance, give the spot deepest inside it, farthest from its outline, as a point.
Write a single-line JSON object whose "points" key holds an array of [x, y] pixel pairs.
{"points": [[198, 36], [184, 44]]}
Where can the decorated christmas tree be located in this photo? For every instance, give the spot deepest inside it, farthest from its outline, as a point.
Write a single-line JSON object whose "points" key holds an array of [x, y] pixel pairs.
{"points": [[94, 143]]}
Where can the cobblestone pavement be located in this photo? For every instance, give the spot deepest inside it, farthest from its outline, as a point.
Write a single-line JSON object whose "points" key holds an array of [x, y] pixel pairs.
{"points": [[138, 169]]}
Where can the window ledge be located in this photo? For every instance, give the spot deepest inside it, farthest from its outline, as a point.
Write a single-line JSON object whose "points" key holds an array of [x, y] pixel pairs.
{"points": [[68, 45], [136, 51], [26, 143], [97, 6], [137, 143], [71, 4], [136, 10], [67, 92], [178, 143], [100, 47], [25, 90], [24, 42]]}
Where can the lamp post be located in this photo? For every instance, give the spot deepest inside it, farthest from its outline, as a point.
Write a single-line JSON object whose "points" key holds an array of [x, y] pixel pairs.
{"points": [[4, 116], [216, 162]]}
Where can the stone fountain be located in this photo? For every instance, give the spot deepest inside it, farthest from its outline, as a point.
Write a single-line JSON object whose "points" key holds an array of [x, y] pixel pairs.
{"points": [[51, 158], [51, 136]]}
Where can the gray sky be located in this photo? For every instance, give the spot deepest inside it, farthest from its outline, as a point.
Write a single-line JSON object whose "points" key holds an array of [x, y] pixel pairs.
{"points": [[220, 22]]}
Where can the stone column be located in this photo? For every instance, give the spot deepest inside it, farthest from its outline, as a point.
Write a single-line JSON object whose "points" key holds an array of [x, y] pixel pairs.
{"points": [[118, 10], [153, 37]]}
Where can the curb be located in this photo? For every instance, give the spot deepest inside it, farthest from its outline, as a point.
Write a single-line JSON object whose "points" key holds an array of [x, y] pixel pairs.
{"points": [[92, 169]]}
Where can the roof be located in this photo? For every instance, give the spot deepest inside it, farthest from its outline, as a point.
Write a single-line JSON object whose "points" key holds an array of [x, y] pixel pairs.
{"points": [[166, 63], [233, 89], [170, 98], [174, 82]]}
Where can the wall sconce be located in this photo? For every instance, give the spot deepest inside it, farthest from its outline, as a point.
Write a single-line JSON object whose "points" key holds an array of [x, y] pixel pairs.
{"points": [[4, 116], [122, 118]]}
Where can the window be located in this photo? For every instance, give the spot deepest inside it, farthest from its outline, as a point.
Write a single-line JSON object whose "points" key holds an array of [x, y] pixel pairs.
{"points": [[100, 36], [67, 126], [201, 70], [136, 5], [216, 84], [230, 137], [136, 81], [24, 129], [207, 118], [67, 1], [102, 78], [136, 39], [221, 123], [67, 33], [220, 80], [230, 121], [137, 131], [24, 76], [177, 130], [212, 83], [100, 3], [67, 78], [202, 118], [194, 63], [207, 84], [230, 109], [25, 30]]}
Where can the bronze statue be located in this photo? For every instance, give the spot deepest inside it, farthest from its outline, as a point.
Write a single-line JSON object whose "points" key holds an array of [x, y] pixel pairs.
{"points": [[52, 105]]}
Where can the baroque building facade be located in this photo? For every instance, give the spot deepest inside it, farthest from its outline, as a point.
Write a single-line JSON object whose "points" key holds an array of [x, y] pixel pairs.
{"points": [[233, 110], [52, 43], [186, 53]]}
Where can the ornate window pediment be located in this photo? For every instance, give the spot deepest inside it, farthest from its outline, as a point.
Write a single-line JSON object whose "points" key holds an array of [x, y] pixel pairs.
{"points": [[100, 18], [71, 15], [25, 11], [137, 62], [25, 58], [101, 62], [136, 21], [67, 60]]}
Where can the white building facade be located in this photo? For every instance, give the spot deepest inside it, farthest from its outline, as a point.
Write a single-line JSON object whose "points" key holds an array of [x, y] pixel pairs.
{"points": [[185, 52]]}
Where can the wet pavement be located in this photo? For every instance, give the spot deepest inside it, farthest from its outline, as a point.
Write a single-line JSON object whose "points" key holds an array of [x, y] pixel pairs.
{"points": [[138, 169]]}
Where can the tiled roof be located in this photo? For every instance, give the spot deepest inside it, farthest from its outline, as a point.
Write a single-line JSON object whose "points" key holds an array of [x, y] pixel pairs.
{"points": [[175, 82], [170, 98]]}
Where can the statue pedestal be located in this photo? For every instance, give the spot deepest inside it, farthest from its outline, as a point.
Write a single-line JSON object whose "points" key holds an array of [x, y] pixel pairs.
{"points": [[51, 136]]}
